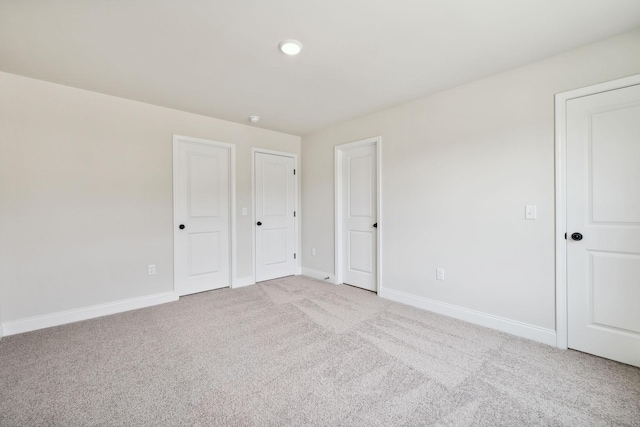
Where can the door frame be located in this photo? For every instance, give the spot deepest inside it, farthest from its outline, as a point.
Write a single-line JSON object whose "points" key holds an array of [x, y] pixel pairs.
{"points": [[232, 200], [562, 310], [296, 195], [339, 151]]}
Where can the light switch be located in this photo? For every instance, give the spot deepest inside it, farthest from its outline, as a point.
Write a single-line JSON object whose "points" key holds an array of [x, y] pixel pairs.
{"points": [[530, 212], [244, 211]]}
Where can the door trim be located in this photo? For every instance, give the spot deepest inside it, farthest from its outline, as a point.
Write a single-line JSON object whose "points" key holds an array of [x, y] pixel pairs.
{"points": [[296, 195], [338, 154], [562, 320], [232, 201]]}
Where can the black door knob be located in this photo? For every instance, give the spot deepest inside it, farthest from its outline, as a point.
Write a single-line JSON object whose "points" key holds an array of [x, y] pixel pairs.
{"points": [[258, 223], [576, 236], [375, 225], [181, 226]]}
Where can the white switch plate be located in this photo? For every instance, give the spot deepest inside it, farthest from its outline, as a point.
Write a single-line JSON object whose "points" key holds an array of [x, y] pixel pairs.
{"points": [[440, 273], [313, 251], [530, 212], [151, 269], [244, 211]]}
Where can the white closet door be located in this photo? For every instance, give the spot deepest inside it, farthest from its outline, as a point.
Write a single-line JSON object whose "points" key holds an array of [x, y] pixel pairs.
{"points": [[275, 220], [359, 217], [603, 224], [201, 222]]}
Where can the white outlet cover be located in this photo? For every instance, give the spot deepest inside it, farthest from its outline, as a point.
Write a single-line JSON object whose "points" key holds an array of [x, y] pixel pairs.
{"points": [[530, 212]]}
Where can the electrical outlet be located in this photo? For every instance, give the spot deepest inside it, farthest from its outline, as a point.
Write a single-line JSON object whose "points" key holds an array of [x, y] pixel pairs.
{"points": [[439, 273], [530, 212], [151, 269]]}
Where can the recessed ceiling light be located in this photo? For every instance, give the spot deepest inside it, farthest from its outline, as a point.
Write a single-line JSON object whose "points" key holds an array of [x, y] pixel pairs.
{"points": [[254, 119], [290, 47]]}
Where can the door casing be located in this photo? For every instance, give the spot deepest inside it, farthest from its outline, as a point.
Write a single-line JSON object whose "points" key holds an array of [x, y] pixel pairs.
{"points": [[562, 321], [338, 180], [296, 190], [232, 198]]}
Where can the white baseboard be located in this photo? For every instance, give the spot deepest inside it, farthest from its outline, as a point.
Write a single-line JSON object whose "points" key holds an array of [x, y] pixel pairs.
{"points": [[513, 327], [75, 315], [243, 281], [320, 275]]}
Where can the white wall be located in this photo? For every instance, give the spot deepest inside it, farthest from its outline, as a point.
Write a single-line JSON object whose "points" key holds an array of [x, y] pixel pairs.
{"points": [[86, 195], [458, 168]]}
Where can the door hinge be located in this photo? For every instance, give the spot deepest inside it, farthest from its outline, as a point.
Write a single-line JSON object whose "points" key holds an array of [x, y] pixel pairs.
{"points": [[294, 214], [294, 256], [294, 171], [565, 236]]}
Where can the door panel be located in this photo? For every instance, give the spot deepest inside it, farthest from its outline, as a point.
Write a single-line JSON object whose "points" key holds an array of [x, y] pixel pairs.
{"points": [[603, 204], [360, 251], [359, 216], [274, 188], [615, 290], [275, 248], [275, 207], [204, 253], [202, 205], [203, 182], [360, 185]]}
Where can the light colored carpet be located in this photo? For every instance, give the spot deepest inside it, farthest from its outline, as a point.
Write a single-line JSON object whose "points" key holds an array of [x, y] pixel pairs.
{"points": [[296, 351]]}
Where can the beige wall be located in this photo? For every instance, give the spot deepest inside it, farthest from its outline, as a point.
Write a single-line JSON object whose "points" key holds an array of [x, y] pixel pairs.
{"points": [[458, 169], [86, 194]]}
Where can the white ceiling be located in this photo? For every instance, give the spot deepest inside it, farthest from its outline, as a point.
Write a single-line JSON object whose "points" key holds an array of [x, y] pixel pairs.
{"points": [[219, 57]]}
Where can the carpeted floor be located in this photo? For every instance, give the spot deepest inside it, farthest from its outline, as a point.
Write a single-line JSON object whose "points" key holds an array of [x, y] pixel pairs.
{"points": [[296, 352]]}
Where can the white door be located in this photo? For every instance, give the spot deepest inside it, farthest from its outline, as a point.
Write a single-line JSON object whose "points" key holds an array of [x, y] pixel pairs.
{"points": [[359, 211], [603, 206], [275, 204], [201, 216]]}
